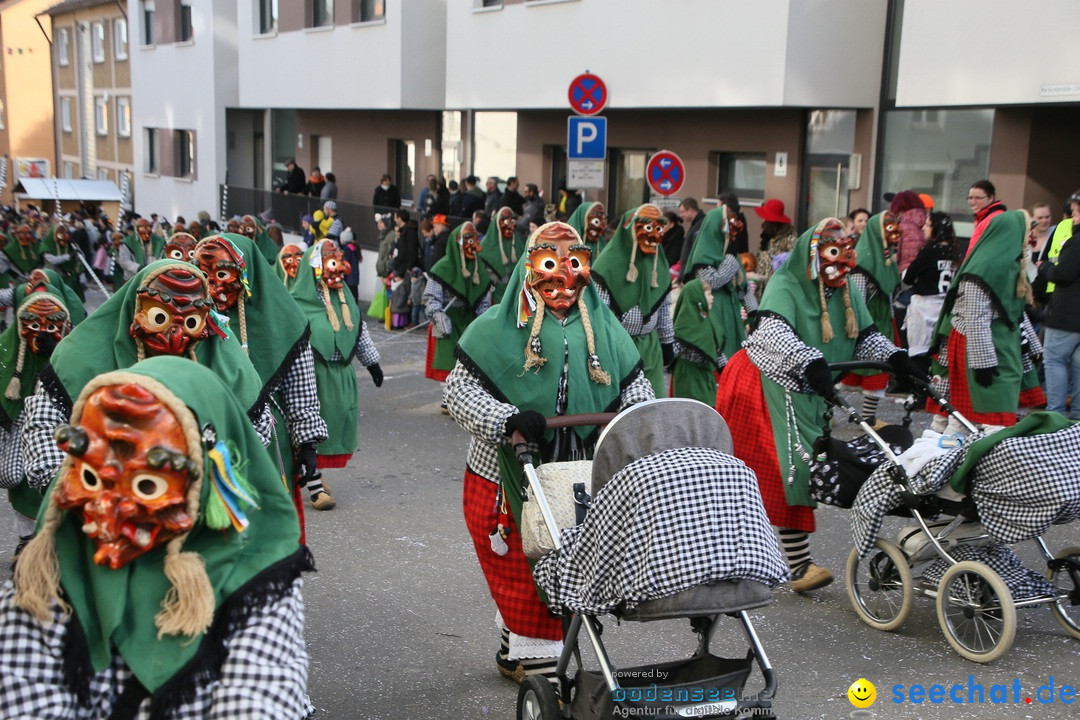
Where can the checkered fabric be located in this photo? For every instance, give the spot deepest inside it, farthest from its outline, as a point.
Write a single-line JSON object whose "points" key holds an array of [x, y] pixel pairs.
{"points": [[11, 460], [634, 322], [365, 347], [663, 524], [959, 395], [971, 317], [719, 276], [436, 302], [775, 349], [1022, 582], [264, 674], [7, 295], [300, 400]]}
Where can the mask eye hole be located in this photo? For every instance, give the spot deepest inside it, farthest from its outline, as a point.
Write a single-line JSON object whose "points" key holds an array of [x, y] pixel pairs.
{"points": [[149, 487], [222, 274], [331, 264], [831, 253], [158, 319], [193, 322], [176, 254], [549, 264], [90, 479]]}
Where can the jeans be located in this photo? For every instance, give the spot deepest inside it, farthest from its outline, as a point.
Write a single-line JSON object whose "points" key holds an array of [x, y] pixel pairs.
{"points": [[415, 314], [1061, 359]]}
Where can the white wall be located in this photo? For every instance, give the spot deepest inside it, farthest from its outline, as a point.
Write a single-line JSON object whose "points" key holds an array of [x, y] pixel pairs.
{"points": [[691, 53], [987, 52]]}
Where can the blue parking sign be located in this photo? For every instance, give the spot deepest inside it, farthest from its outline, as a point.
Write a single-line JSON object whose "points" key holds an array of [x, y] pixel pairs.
{"points": [[586, 138]]}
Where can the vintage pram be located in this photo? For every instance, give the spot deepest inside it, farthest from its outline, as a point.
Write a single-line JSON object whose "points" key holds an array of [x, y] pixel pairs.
{"points": [[667, 496], [989, 492]]}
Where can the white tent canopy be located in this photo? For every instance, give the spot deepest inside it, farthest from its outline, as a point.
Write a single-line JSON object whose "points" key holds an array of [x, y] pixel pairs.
{"points": [[64, 189]]}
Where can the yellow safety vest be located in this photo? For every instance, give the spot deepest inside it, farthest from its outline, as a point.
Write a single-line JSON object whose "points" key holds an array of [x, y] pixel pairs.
{"points": [[1062, 233]]}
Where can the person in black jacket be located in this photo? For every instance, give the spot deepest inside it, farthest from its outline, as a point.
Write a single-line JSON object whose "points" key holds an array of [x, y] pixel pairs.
{"points": [[673, 238], [690, 212], [296, 180], [1061, 346], [742, 237], [386, 194], [512, 198], [408, 243]]}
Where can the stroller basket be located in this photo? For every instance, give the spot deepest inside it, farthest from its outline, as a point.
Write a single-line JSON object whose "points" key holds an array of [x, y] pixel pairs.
{"points": [[712, 684]]}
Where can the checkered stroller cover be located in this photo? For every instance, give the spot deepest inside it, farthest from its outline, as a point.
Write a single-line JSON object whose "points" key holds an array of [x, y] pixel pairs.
{"points": [[671, 509], [1020, 487]]}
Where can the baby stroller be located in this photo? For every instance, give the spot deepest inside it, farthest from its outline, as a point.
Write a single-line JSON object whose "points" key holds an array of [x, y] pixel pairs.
{"points": [[969, 503], [658, 466]]}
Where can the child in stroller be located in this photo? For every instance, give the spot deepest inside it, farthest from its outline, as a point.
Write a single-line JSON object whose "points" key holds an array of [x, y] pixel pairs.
{"points": [[676, 530]]}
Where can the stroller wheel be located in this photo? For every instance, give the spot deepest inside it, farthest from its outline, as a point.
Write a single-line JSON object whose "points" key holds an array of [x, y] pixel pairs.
{"points": [[1066, 613], [537, 700], [880, 586], [976, 611]]}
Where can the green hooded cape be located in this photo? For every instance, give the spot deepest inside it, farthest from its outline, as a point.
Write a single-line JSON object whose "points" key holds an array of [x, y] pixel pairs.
{"points": [[23, 259], [103, 343], [995, 263], [70, 270], [72, 301], [880, 271], [614, 262], [493, 348], [448, 271], [709, 250], [794, 296], [577, 221], [500, 255], [696, 327], [115, 609], [264, 242], [279, 271], [132, 242]]}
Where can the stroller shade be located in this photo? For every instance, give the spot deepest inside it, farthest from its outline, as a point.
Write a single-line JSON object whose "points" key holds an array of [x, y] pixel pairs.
{"points": [[671, 519], [838, 468]]}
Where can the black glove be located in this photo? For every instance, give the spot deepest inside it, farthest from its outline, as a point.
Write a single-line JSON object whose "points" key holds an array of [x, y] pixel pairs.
{"points": [[820, 378], [531, 424], [985, 376], [668, 350], [306, 459], [376, 374], [905, 367]]}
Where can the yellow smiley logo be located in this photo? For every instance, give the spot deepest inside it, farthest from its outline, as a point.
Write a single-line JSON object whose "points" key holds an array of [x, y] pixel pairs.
{"points": [[862, 693]]}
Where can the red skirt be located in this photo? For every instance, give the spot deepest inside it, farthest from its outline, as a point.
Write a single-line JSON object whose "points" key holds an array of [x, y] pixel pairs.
{"points": [[429, 371], [741, 401], [880, 381], [298, 502], [508, 576], [959, 395], [333, 461]]}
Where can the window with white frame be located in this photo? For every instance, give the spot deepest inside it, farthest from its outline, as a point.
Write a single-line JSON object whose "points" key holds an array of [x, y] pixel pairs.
{"points": [[185, 153], [97, 41], [322, 13], [65, 114], [148, 11], [185, 32], [267, 16], [63, 41], [123, 117], [101, 115], [369, 10], [152, 151], [120, 38]]}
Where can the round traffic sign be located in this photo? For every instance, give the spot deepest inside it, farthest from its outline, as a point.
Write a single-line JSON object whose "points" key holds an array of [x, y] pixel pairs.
{"points": [[588, 94], [665, 173]]}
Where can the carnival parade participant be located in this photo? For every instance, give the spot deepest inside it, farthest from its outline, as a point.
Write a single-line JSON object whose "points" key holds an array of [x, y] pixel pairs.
{"points": [[632, 278], [274, 333], [44, 314], [165, 576], [288, 262], [590, 222], [986, 345], [699, 353], [876, 277], [500, 250], [151, 243], [252, 228], [24, 254], [338, 334], [456, 294], [777, 385], [165, 310], [180, 246], [59, 255], [712, 260]]}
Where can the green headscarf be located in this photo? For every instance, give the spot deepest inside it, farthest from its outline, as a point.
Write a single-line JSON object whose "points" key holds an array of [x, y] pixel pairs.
{"points": [[279, 271], [263, 241], [577, 221], [621, 260], [498, 254], [273, 328], [22, 258], [31, 363], [103, 343], [710, 250], [324, 336], [710, 246], [121, 609], [877, 263], [71, 268], [451, 268], [695, 324]]}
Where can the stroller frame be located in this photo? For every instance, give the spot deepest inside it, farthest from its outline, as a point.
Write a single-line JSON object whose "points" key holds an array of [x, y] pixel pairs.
{"points": [[599, 694], [976, 611]]}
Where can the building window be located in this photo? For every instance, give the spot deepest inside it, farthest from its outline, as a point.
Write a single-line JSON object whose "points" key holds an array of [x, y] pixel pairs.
{"points": [[65, 114], [62, 41], [123, 117], [153, 152], [369, 10], [120, 38], [148, 11], [183, 24], [97, 39], [185, 153], [101, 115], [404, 166], [69, 170], [267, 16], [322, 13], [103, 174], [742, 174]]}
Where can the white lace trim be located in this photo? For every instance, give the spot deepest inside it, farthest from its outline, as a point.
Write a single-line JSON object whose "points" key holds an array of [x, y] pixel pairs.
{"points": [[523, 647]]}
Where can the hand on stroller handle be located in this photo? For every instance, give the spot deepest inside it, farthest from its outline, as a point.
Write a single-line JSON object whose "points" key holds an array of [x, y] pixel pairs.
{"points": [[524, 450]]}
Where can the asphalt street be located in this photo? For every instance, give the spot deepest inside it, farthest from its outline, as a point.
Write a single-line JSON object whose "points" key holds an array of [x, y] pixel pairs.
{"points": [[400, 623]]}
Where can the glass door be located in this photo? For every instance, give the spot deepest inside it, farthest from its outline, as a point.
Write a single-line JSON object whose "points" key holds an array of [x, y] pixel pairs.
{"points": [[826, 187]]}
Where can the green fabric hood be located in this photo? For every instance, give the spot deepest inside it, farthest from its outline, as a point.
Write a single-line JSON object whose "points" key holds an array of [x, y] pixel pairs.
{"points": [[613, 265], [305, 291], [450, 273]]}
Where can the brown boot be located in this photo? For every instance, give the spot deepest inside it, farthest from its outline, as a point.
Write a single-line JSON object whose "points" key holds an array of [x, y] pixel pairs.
{"points": [[323, 501], [811, 578]]}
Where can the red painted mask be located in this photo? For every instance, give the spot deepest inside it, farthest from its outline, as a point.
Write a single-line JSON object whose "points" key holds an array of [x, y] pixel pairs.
{"points": [[469, 240], [142, 229], [290, 259], [558, 267], [24, 235], [232, 226], [735, 226], [128, 473], [181, 246], [170, 312], [61, 236], [596, 224], [507, 223], [890, 228], [179, 227], [649, 229], [43, 323], [248, 227], [224, 269], [195, 230], [334, 266], [836, 252]]}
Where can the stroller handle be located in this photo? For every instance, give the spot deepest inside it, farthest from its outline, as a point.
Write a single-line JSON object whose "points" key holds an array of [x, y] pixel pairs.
{"points": [[920, 382], [521, 445]]}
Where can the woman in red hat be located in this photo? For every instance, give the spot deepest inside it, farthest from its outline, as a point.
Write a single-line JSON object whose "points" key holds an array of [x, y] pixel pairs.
{"points": [[777, 239]]}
